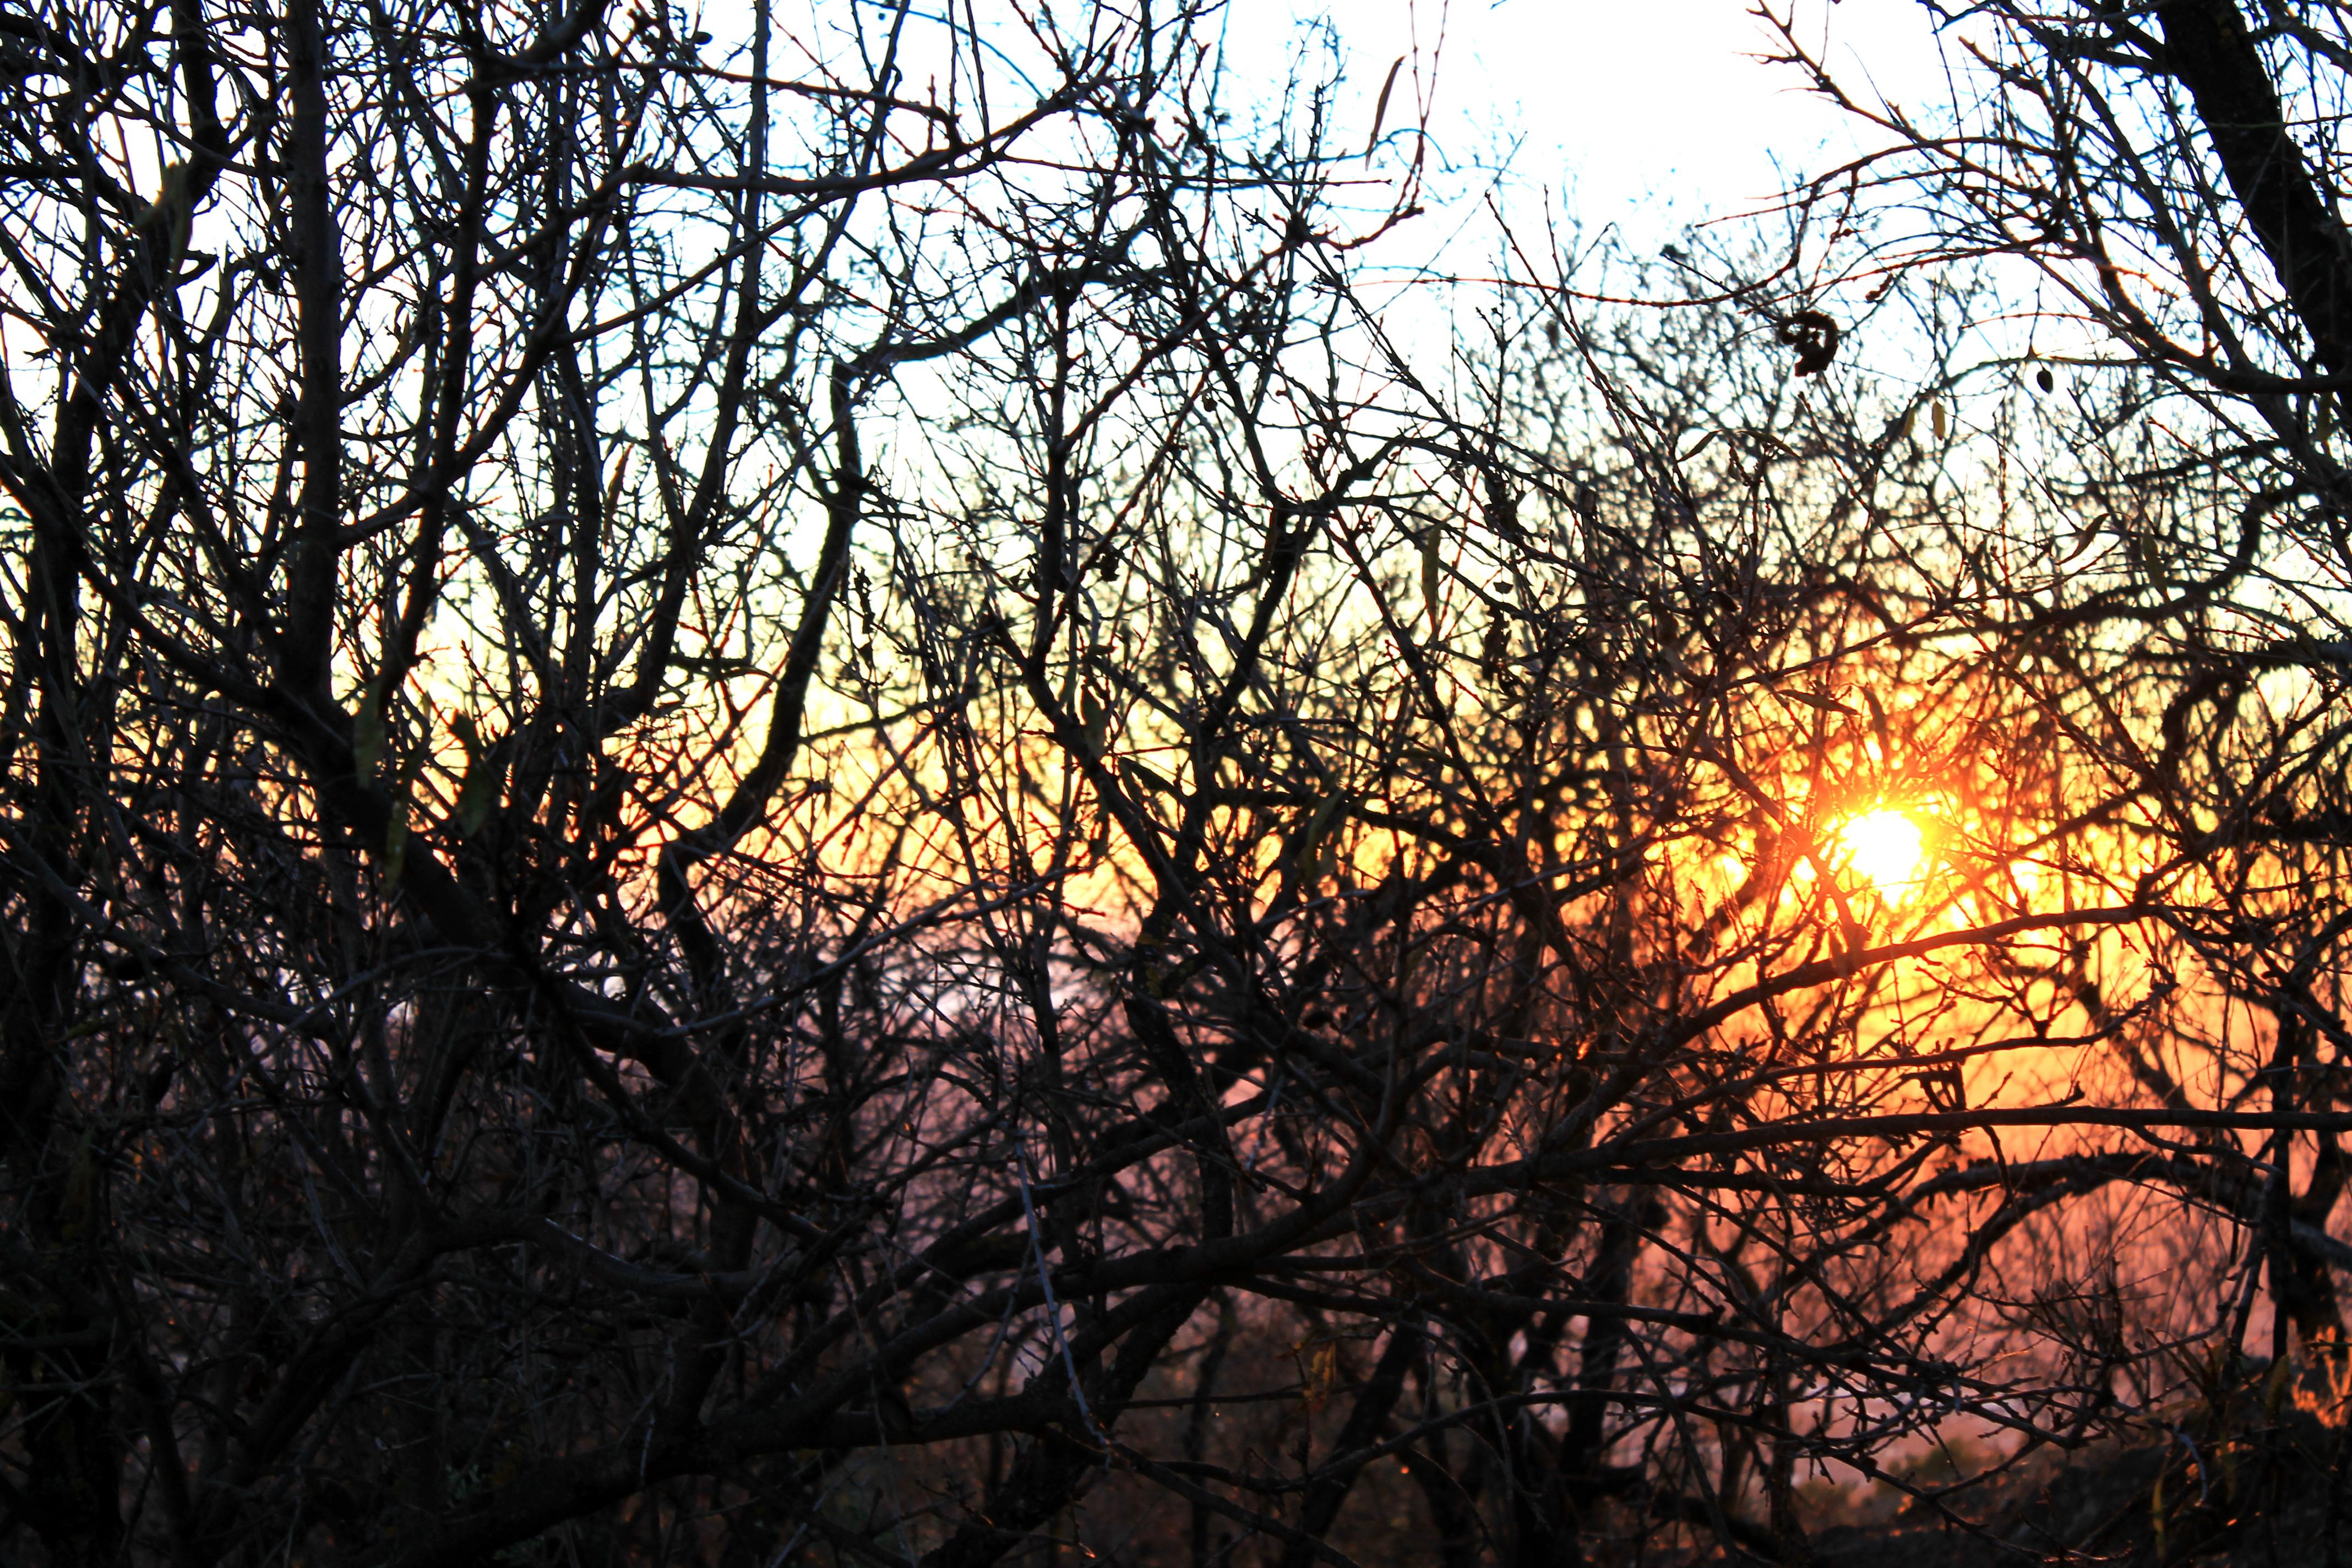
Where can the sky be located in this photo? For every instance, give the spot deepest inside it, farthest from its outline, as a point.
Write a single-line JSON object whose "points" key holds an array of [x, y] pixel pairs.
{"points": [[1649, 114]]}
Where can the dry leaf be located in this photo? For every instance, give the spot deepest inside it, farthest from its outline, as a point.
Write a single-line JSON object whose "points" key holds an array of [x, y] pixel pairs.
{"points": [[1319, 1373], [1380, 109], [1816, 700], [1432, 573], [1814, 337]]}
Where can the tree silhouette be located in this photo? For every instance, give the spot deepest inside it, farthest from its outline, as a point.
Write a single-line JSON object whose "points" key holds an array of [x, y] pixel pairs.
{"points": [[793, 799]]}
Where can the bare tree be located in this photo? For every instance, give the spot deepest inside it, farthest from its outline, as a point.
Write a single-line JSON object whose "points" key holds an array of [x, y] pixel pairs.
{"points": [[794, 801], [2169, 174], [2159, 188], [427, 417]]}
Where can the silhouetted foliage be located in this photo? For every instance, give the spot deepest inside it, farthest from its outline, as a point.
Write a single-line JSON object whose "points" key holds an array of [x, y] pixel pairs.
{"points": [[804, 798]]}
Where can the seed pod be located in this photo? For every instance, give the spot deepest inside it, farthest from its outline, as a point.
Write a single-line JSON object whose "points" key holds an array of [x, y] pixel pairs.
{"points": [[1433, 572], [1814, 337]]}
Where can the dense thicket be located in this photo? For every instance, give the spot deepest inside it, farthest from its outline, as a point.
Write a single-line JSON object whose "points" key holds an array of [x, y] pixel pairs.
{"points": [[786, 796]]}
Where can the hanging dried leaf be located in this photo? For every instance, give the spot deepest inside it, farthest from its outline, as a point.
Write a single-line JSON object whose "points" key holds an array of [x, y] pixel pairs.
{"points": [[1315, 839], [367, 735], [1433, 572], [479, 793], [1095, 716], [1497, 647], [1818, 702], [1380, 109], [479, 788], [1318, 1369], [2083, 538], [1502, 507]]}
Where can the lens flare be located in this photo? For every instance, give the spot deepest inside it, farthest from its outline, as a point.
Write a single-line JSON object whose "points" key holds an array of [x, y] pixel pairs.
{"points": [[1884, 846]]}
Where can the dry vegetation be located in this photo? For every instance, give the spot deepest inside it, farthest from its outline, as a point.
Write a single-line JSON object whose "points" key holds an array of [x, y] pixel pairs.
{"points": [[783, 798]]}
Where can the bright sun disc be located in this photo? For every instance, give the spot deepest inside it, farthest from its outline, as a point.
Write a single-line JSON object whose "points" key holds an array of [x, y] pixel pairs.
{"points": [[1884, 846]]}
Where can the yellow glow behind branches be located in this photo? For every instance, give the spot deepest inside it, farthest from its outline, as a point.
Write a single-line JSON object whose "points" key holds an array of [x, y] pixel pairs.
{"points": [[1884, 846]]}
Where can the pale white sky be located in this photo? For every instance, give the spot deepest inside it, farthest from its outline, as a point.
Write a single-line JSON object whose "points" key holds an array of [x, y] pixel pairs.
{"points": [[1648, 114]]}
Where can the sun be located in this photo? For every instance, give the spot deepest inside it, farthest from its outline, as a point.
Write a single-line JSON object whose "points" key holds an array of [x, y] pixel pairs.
{"points": [[1883, 845]]}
